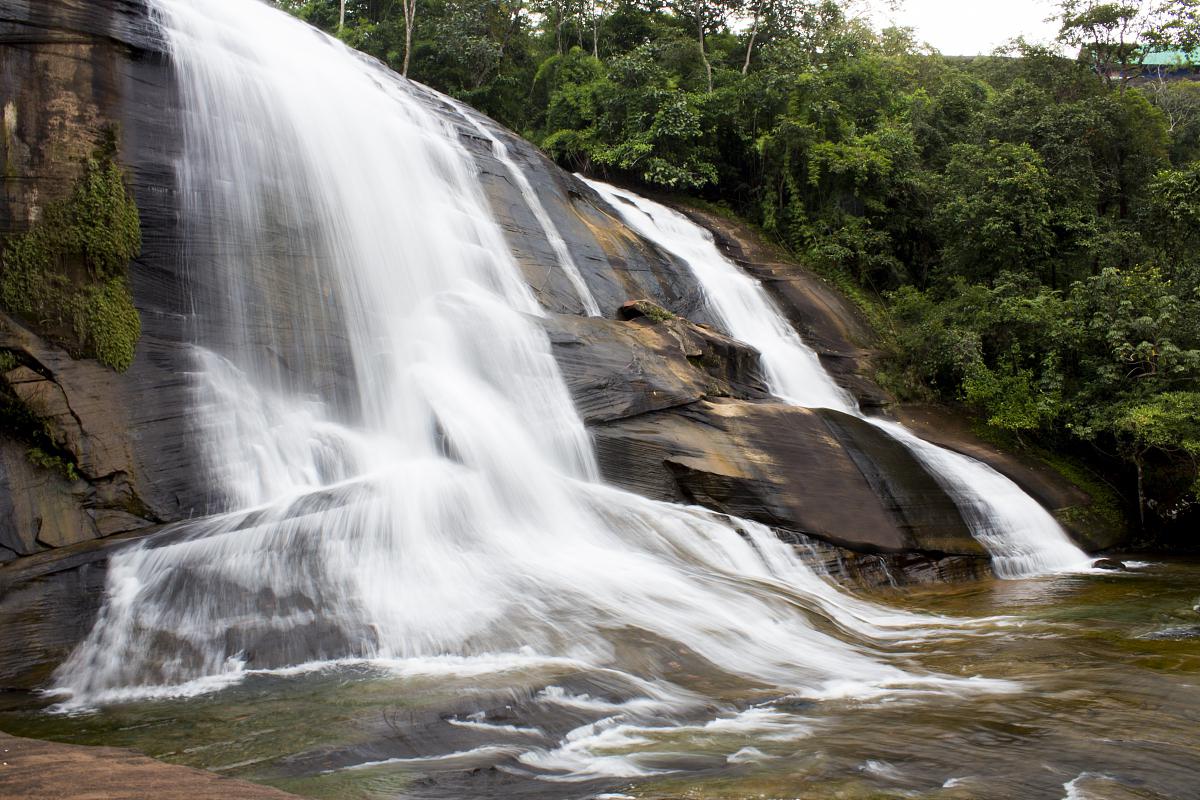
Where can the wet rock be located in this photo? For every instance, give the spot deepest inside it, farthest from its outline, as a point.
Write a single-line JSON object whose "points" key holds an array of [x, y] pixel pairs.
{"points": [[822, 473], [1109, 564], [39, 769], [48, 603], [91, 414], [615, 263], [1177, 633], [70, 73], [39, 507], [617, 370], [825, 319]]}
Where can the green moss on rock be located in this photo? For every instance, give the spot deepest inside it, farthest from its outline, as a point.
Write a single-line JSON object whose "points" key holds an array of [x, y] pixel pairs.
{"points": [[67, 275], [644, 308], [106, 320], [53, 462]]}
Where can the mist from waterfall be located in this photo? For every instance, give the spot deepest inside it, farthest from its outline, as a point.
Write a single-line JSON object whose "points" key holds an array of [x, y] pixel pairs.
{"points": [[1021, 536], [442, 513]]}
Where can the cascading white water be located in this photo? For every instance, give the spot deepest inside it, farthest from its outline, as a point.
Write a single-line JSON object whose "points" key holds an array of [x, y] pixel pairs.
{"points": [[451, 516], [1022, 537], [557, 245]]}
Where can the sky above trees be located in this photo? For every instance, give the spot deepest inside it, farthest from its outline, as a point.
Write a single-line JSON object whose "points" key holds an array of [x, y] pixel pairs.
{"points": [[971, 27]]}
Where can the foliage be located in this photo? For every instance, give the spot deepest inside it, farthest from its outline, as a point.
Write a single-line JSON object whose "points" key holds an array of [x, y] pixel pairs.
{"points": [[67, 274], [995, 211], [1114, 361]]}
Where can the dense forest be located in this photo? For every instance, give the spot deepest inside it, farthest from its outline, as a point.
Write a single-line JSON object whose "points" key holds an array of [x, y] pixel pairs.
{"points": [[1022, 228]]}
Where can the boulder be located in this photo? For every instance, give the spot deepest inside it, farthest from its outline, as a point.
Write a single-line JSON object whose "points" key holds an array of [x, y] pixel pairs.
{"points": [[679, 412], [616, 370], [819, 472]]}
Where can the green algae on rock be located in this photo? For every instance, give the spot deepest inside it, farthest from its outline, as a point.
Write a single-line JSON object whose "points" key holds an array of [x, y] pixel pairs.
{"points": [[67, 276]]}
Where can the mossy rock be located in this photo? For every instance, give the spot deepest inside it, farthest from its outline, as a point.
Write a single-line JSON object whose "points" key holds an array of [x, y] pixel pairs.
{"points": [[635, 309], [67, 275]]}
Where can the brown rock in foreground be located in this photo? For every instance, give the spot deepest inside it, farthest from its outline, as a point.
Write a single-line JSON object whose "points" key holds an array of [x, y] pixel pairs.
{"points": [[35, 770]]}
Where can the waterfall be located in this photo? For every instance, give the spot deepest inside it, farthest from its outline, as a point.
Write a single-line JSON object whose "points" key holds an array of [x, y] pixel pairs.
{"points": [[1021, 536], [441, 509]]}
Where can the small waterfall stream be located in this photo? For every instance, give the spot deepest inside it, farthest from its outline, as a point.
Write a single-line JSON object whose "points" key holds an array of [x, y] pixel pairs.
{"points": [[449, 520], [561, 252], [1022, 537]]}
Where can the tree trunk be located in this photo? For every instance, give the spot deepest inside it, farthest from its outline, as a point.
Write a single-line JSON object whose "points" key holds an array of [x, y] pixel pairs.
{"points": [[750, 47], [341, 15], [558, 23], [1141, 491], [410, 14], [703, 51], [595, 31]]}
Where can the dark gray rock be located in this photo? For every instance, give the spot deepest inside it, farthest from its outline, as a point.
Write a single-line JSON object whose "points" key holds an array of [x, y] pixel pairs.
{"points": [[822, 473], [70, 71], [40, 508], [619, 369], [48, 603]]}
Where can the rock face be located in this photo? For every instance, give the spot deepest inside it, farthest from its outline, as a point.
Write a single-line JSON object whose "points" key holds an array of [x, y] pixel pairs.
{"points": [[679, 413], [70, 71]]}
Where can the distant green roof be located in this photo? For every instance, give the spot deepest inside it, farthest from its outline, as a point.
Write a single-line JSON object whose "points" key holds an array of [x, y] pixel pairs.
{"points": [[1172, 58]]}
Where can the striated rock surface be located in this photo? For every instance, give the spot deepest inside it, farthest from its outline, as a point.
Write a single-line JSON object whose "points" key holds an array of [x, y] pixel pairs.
{"points": [[35, 770], [821, 473], [71, 72]]}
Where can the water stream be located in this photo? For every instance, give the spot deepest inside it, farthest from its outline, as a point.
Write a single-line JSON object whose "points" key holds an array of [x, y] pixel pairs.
{"points": [[1108, 665], [1021, 536], [561, 252]]}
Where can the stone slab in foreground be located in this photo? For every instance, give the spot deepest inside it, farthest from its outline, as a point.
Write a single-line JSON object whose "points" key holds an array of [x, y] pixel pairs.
{"points": [[31, 769]]}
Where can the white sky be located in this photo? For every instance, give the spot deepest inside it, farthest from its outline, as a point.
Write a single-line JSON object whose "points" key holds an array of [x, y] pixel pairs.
{"points": [[972, 27]]}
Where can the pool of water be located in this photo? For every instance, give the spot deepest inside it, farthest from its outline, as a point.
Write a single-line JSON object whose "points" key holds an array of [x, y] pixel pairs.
{"points": [[1080, 686]]}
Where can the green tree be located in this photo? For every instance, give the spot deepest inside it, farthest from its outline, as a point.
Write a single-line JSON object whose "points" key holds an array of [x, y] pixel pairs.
{"points": [[996, 214]]}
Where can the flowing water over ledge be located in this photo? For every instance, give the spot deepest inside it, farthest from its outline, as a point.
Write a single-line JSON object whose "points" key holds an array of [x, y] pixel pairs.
{"points": [[1106, 669]]}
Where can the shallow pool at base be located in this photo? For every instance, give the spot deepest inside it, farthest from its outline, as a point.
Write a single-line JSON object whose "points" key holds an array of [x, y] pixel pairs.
{"points": [[1108, 704]]}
